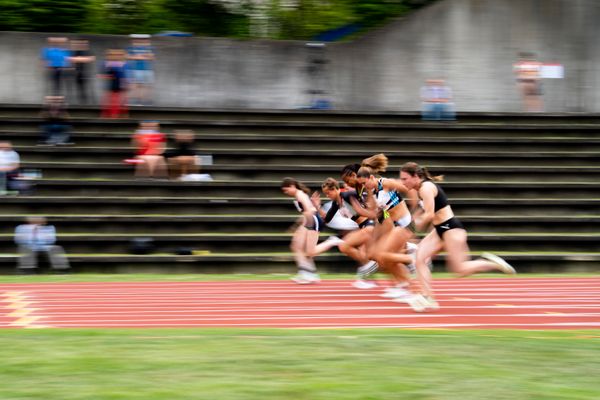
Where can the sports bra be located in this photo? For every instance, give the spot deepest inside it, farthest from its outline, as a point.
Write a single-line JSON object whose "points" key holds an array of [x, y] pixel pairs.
{"points": [[386, 200], [440, 200]]}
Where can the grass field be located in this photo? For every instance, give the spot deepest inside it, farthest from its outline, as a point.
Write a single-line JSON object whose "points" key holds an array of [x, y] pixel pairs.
{"points": [[222, 364], [301, 364]]}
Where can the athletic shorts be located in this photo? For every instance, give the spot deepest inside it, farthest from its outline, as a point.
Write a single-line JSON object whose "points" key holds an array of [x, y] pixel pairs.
{"points": [[403, 222], [317, 223], [452, 223]]}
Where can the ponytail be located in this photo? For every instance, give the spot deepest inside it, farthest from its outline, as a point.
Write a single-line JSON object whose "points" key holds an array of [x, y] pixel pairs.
{"points": [[287, 182], [375, 164], [414, 169]]}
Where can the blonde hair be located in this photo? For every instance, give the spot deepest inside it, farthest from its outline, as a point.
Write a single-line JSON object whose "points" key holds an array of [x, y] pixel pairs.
{"points": [[376, 164]]}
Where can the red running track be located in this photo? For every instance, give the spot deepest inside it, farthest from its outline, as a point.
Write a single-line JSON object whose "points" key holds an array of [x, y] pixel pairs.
{"points": [[503, 303]]}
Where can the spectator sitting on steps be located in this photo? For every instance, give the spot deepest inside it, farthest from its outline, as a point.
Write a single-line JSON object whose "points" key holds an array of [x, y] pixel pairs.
{"points": [[150, 147], [37, 237], [9, 167], [182, 158], [437, 101], [56, 127]]}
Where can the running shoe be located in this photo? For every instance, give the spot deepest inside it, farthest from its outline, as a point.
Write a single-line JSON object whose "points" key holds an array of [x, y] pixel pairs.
{"points": [[334, 240], [504, 266], [431, 303], [396, 293], [362, 284], [416, 302], [306, 278], [420, 303]]}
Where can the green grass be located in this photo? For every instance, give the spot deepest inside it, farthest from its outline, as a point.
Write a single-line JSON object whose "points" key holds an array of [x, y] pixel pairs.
{"points": [[286, 364]]}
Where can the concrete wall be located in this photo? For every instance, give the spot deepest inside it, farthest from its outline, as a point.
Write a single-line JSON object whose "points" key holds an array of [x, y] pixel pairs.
{"points": [[471, 43]]}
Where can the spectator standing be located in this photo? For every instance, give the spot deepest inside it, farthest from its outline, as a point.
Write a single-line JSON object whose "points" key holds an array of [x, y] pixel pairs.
{"points": [[140, 58], [56, 126], [37, 237], [150, 146], [82, 60], [436, 99], [56, 60], [113, 71], [528, 72], [9, 167]]}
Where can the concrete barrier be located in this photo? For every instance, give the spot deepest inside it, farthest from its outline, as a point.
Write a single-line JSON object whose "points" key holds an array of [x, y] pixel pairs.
{"points": [[471, 43]]}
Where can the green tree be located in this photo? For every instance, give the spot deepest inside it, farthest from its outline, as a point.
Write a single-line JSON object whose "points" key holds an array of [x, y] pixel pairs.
{"points": [[204, 17], [42, 15]]}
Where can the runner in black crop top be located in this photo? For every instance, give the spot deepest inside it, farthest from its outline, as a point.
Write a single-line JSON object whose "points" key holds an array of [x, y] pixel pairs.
{"points": [[440, 200]]}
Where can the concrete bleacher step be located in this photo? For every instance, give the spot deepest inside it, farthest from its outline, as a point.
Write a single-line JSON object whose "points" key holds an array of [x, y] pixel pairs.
{"points": [[307, 172], [228, 242], [262, 156], [215, 223], [322, 116], [259, 189], [395, 140], [230, 205]]}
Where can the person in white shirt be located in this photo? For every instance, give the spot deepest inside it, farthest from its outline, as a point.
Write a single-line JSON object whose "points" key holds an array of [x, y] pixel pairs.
{"points": [[9, 166], [437, 101], [37, 237]]}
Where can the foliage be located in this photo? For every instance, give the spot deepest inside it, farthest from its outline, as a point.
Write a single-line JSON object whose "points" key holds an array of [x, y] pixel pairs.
{"points": [[42, 15], [204, 17], [279, 19]]}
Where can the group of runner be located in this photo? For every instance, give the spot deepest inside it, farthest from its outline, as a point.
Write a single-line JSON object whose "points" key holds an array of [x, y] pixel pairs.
{"points": [[376, 219]]}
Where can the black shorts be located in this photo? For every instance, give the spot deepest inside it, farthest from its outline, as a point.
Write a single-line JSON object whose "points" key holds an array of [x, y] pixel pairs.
{"points": [[452, 223], [366, 222], [316, 225]]}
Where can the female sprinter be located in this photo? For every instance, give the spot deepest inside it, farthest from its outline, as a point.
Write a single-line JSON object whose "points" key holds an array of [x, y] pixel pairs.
{"points": [[448, 235], [339, 214], [363, 202], [392, 230], [307, 234]]}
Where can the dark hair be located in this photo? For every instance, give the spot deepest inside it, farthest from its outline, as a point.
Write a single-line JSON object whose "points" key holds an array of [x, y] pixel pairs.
{"points": [[350, 169], [330, 184], [287, 182], [412, 168]]}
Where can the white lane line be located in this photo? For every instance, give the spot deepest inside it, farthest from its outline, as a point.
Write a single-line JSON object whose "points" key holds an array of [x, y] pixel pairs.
{"points": [[100, 287], [525, 326], [184, 315], [246, 317]]}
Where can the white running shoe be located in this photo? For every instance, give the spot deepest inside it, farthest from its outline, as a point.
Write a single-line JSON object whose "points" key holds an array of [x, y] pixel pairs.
{"points": [[396, 293], [416, 302], [334, 240], [362, 284], [306, 278], [420, 303], [504, 266], [431, 303]]}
